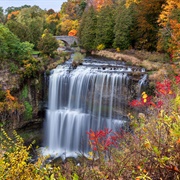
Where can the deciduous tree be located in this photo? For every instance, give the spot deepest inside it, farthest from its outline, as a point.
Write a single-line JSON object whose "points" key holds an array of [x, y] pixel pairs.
{"points": [[34, 19], [146, 29], [169, 36], [47, 44]]}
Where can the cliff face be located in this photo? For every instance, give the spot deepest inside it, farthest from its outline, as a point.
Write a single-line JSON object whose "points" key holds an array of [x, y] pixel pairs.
{"points": [[8, 80], [23, 98], [26, 109]]}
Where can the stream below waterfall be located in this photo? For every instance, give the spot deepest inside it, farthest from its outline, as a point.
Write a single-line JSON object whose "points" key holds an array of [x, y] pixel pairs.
{"points": [[94, 96]]}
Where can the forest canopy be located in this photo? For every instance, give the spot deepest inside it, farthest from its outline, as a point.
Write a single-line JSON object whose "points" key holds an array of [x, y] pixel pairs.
{"points": [[151, 25]]}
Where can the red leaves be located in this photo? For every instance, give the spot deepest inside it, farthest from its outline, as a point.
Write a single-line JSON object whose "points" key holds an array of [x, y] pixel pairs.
{"points": [[136, 103], [177, 79], [102, 139], [164, 88], [145, 100]]}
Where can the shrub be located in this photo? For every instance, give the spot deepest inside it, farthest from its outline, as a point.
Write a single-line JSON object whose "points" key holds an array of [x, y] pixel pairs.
{"points": [[24, 93], [30, 68], [13, 67], [15, 161], [151, 150], [77, 59], [28, 110]]}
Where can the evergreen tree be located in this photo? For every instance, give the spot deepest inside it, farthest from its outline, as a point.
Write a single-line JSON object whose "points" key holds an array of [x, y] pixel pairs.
{"points": [[123, 26], [87, 30], [105, 26]]}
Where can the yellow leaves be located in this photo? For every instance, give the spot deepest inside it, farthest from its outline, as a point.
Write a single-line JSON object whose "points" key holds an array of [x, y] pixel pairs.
{"points": [[147, 144], [43, 35], [144, 97], [177, 102], [100, 47], [118, 49], [14, 161], [91, 155], [68, 24], [53, 18], [129, 2]]}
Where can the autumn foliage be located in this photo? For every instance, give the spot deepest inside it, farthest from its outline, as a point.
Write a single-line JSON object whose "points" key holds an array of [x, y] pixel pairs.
{"points": [[152, 149], [170, 24], [15, 161], [73, 32], [12, 15]]}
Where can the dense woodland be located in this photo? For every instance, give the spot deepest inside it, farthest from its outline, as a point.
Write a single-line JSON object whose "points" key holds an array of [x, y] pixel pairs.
{"points": [[148, 25], [151, 150]]}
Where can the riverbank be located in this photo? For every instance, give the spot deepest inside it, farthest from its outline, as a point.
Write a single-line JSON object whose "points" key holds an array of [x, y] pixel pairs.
{"points": [[157, 65]]}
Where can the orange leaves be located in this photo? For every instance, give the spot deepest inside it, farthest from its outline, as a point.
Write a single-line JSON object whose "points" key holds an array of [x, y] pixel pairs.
{"points": [[98, 4], [168, 19], [167, 11], [73, 32], [175, 38], [9, 96], [10, 104], [12, 15]]}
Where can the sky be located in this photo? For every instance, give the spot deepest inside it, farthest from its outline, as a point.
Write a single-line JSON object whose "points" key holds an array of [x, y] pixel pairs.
{"points": [[43, 4]]}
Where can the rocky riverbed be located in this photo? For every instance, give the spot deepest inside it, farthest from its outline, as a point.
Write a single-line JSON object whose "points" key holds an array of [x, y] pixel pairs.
{"points": [[156, 68]]}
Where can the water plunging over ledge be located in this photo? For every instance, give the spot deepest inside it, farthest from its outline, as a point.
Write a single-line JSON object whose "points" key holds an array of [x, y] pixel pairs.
{"points": [[92, 96]]}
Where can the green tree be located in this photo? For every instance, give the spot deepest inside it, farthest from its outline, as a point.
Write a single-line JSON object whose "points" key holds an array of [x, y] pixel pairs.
{"points": [[52, 19], [34, 19], [9, 43], [87, 30], [11, 47], [20, 30], [123, 26], [47, 43], [105, 26], [2, 17], [12, 8]]}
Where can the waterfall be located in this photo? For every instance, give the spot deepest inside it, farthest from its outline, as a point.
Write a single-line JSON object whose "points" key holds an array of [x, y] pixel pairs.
{"points": [[93, 96]]}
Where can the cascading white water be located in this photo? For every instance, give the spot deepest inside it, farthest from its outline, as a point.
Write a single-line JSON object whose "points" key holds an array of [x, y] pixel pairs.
{"points": [[88, 97]]}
